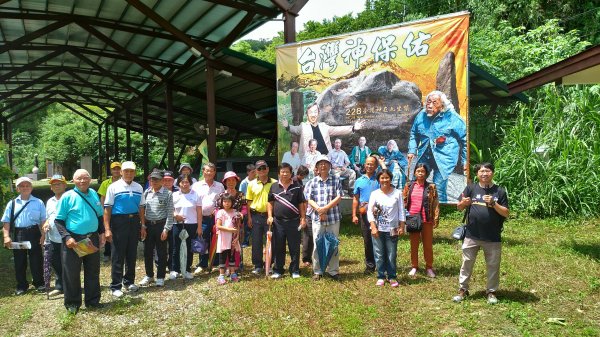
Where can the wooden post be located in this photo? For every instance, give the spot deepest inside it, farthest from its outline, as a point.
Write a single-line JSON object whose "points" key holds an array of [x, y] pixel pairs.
{"points": [[211, 116]]}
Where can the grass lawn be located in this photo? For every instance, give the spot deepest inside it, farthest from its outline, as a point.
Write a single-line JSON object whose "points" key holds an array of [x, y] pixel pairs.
{"points": [[549, 270]]}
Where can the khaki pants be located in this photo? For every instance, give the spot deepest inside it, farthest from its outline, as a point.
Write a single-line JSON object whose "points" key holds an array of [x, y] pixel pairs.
{"points": [[333, 267], [492, 252]]}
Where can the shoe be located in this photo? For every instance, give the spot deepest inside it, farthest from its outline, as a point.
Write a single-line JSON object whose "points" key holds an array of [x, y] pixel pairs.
{"points": [[369, 271], [276, 276], [227, 273], [380, 282], [94, 306], [412, 272], [245, 245], [394, 283], [316, 277], [146, 281], [173, 275], [295, 275], [460, 296], [235, 277], [257, 271], [117, 293], [133, 288], [188, 275], [307, 264], [41, 289], [221, 280], [20, 292], [430, 273], [492, 299], [336, 277], [198, 270], [72, 310], [55, 292], [160, 282]]}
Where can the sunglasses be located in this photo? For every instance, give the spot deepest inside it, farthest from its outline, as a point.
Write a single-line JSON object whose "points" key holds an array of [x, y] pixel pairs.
{"points": [[262, 168]]}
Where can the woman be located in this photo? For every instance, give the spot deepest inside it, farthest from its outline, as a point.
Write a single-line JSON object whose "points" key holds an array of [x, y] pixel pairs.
{"points": [[230, 181], [188, 209], [395, 162], [421, 198], [386, 216]]}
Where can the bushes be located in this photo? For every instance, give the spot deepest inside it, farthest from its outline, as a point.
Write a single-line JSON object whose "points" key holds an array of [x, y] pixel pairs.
{"points": [[549, 159]]}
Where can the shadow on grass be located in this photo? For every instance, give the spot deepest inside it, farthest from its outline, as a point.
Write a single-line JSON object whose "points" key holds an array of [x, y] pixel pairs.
{"points": [[122, 305], [450, 241], [586, 249], [510, 296]]}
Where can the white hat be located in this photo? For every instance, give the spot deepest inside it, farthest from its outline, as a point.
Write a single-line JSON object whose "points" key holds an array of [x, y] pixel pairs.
{"points": [[323, 158], [22, 179], [128, 165]]}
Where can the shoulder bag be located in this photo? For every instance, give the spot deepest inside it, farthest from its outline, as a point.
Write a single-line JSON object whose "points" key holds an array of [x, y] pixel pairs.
{"points": [[13, 218]]}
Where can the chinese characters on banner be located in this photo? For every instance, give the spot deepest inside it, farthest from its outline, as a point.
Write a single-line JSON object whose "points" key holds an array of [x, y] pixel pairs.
{"points": [[374, 86]]}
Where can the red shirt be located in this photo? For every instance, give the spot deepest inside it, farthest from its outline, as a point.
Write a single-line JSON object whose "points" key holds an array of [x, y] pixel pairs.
{"points": [[416, 200]]}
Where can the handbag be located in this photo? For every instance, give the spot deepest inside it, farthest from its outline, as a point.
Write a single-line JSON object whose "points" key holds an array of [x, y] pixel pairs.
{"points": [[460, 231], [199, 245], [414, 223]]}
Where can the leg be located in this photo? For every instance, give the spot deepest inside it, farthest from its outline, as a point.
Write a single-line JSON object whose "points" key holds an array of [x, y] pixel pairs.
{"points": [[192, 230], [279, 235], [71, 277], [307, 241], [36, 259], [175, 263], [55, 252], [161, 251], [415, 240], [469, 252], [378, 250], [492, 252], [119, 248], [427, 235], [247, 232], [91, 276], [368, 242], [391, 251], [258, 231], [149, 245], [293, 238], [207, 226], [334, 263], [131, 250], [20, 260], [441, 183], [170, 247]]}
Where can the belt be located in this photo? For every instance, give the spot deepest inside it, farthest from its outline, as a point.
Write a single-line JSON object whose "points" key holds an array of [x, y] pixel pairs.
{"points": [[28, 228], [257, 212], [132, 215], [155, 222]]}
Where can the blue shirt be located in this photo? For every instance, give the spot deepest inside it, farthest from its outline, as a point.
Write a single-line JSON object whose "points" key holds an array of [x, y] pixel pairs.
{"points": [[78, 216], [124, 198], [364, 186], [33, 214], [244, 185]]}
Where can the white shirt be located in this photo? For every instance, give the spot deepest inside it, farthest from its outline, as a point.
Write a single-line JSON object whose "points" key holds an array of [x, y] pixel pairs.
{"points": [[392, 209], [185, 204], [53, 234], [293, 160], [207, 195]]}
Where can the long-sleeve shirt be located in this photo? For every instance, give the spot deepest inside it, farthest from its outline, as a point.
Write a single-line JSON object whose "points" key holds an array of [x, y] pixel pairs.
{"points": [[159, 205], [391, 209]]}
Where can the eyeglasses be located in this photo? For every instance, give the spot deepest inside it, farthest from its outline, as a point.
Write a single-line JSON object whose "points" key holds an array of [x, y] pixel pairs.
{"points": [[82, 179], [262, 168]]}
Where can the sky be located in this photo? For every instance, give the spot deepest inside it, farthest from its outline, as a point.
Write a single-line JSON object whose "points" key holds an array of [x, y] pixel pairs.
{"points": [[314, 10]]}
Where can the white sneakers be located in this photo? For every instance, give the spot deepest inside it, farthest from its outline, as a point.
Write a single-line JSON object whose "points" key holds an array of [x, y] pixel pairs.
{"points": [[276, 276], [198, 270], [146, 281], [188, 275], [133, 288], [117, 293], [430, 273], [173, 275], [160, 282], [295, 275]]}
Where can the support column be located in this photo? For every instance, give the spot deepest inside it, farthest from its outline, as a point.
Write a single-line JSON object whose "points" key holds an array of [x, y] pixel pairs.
{"points": [[211, 116], [99, 152], [116, 135], [107, 148], [128, 134], [289, 27], [146, 152], [9, 143], [170, 128]]}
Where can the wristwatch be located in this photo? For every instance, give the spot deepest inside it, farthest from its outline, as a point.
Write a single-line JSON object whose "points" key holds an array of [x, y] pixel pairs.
{"points": [[493, 203]]}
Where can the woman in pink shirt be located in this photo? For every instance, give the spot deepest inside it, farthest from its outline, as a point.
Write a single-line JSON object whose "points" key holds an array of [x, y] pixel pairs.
{"points": [[420, 197]]}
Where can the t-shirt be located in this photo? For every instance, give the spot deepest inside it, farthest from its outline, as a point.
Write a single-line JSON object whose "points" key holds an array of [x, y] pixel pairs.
{"points": [[286, 203], [224, 241], [484, 222], [391, 209], [186, 204]]}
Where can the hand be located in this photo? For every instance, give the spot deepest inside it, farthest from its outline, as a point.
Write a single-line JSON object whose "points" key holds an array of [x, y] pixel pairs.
{"points": [[487, 198], [46, 227], [356, 167], [359, 125], [302, 223], [102, 240], [270, 220], [143, 233], [401, 228], [323, 217], [71, 243], [466, 201], [108, 235], [322, 210], [199, 231], [284, 123], [179, 218], [466, 169], [42, 239], [164, 235], [355, 219], [374, 232], [7, 242]]}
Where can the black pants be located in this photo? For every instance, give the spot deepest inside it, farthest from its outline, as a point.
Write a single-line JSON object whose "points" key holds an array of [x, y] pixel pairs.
{"points": [[152, 242], [208, 222], [36, 259], [72, 274], [259, 230], [365, 228], [192, 230], [286, 230], [125, 234], [107, 249], [56, 262], [307, 241], [170, 249]]}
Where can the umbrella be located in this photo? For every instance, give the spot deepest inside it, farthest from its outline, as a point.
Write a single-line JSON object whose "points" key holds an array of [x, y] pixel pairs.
{"points": [[183, 235], [213, 248], [326, 245], [268, 251], [47, 273]]}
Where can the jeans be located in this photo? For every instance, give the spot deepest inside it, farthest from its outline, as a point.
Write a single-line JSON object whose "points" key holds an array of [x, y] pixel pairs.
{"points": [[384, 249], [208, 222]]}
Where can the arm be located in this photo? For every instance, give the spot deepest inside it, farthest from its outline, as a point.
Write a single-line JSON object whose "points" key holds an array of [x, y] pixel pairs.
{"points": [[294, 129], [303, 215], [401, 215], [107, 232], [142, 213], [435, 206], [412, 141], [6, 232], [371, 217], [339, 130], [355, 203], [270, 213], [199, 217]]}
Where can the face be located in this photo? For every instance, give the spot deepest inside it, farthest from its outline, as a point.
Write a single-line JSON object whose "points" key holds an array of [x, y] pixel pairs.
{"points": [[227, 203], [313, 114], [25, 188], [184, 185], [294, 149], [285, 174], [312, 146], [58, 187], [209, 173], [82, 181], [485, 175], [362, 141], [390, 146], [433, 105], [186, 170], [230, 183], [421, 173], [128, 175], [323, 167], [156, 183], [262, 172], [168, 183], [251, 174], [300, 176], [116, 172], [337, 144], [385, 180], [370, 165]]}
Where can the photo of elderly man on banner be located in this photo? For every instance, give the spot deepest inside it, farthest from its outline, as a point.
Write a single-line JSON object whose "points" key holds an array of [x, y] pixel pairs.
{"points": [[404, 84]]}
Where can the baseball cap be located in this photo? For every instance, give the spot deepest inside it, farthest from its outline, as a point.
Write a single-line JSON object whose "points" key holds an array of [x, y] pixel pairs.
{"points": [[115, 164], [22, 179], [323, 158], [128, 165], [58, 178], [184, 165], [156, 175], [230, 174], [260, 163], [168, 175]]}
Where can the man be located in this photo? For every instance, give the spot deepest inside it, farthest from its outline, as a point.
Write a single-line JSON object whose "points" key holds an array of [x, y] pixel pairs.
{"points": [[58, 185], [123, 215], [366, 184], [310, 158], [159, 221], [22, 221], [292, 157], [488, 209], [437, 138], [286, 210], [323, 194], [339, 162], [207, 189], [77, 220], [312, 129], [359, 155], [115, 171], [250, 175], [257, 197]]}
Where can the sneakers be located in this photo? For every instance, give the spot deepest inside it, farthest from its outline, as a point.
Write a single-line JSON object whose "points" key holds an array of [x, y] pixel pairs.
{"points": [[430, 273], [316, 277], [72, 310], [394, 283], [188, 275], [146, 281], [221, 280], [55, 292], [235, 277], [380, 282], [160, 282], [412, 272], [117, 293], [276, 276], [173, 275], [198, 270], [132, 288], [41, 289], [295, 275], [492, 299], [336, 277], [462, 293], [257, 271]]}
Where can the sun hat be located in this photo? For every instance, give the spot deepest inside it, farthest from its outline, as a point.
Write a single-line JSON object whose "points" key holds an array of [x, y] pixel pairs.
{"points": [[230, 174]]}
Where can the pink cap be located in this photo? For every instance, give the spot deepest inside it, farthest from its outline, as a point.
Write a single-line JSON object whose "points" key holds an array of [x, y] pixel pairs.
{"points": [[230, 174]]}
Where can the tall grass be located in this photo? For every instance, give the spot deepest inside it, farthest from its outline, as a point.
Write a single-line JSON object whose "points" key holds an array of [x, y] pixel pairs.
{"points": [[549, 159]]}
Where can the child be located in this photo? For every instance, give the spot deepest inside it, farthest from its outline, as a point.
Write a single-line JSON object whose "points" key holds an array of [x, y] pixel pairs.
{"points": [[227, 243]]}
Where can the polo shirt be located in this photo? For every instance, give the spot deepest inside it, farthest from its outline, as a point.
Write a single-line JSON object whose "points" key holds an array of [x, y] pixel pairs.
{"points": [[208, 195], [364, 186], [323, 192], [286, 202], [78, 216], [104, 186], [33, 214], [51, 207], [124, 198], [159, 206], [185, 204], [258, 194]]}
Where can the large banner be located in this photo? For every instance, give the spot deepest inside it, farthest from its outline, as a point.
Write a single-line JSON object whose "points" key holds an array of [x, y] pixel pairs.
{"points": [[400, 91]]}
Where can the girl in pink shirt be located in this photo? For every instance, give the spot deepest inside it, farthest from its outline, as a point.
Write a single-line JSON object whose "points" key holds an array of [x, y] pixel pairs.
{"points": [[228, 220]]}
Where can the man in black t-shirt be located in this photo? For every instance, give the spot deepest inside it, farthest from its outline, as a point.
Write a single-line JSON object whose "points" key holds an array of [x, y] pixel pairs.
{"points": [[488, 208]]}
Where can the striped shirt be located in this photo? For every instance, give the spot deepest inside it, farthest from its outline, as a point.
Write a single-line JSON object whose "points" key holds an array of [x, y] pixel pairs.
{"points": [[323, 192], [124, 198], [159, 206], [286, 203]]}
